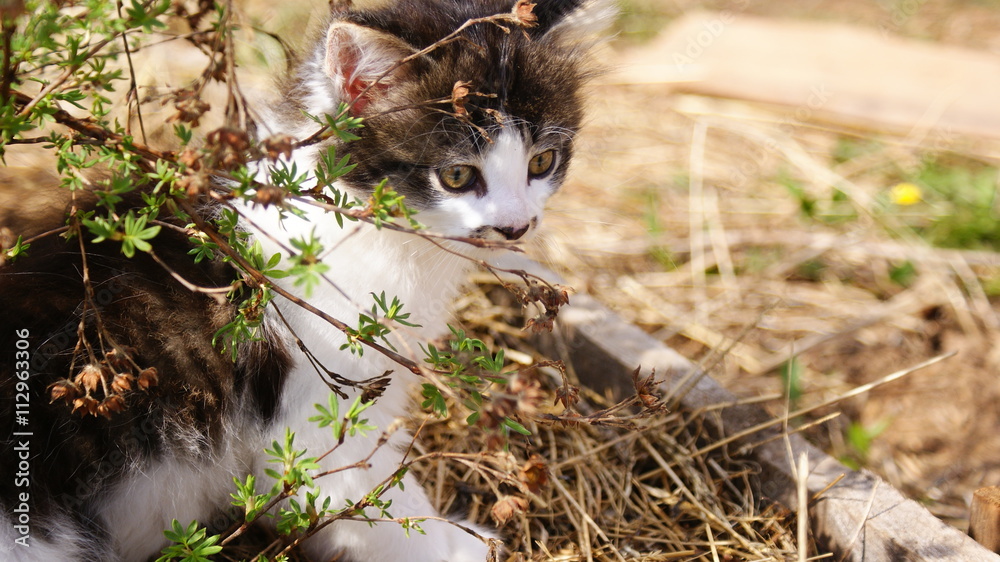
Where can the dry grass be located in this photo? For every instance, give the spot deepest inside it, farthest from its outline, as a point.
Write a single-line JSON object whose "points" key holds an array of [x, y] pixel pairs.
{"points": [[631, 486], [680, 217]]}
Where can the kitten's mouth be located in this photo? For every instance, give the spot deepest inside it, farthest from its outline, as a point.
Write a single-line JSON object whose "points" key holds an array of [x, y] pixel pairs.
{"points": [[505, 233]]}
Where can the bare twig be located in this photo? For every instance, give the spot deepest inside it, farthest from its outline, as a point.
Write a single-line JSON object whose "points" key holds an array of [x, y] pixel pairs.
{"points": [[855, 392]]}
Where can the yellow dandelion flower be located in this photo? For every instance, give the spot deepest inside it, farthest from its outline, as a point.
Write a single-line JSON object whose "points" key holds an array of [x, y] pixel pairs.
{"points": [[905, 194]]}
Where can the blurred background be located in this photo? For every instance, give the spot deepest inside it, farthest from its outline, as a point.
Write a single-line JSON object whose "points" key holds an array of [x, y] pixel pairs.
{"points": [[803, 195]]}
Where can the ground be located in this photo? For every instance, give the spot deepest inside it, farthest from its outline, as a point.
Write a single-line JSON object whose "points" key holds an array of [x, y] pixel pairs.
{"points": [[721, 233]]}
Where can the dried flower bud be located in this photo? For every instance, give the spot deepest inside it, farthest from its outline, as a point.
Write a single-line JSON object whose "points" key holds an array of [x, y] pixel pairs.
{"points": [[230, 137], [120, 359], [645, 389], [228, 147], [89, 377], [569, 395], [459, 95], [650, 402], [524, 13], [374, 389], [189, 107], [193, 183], [534, 474], [148, 378], [114, 404], [268, 194], [122, 383], [540, 323], [102, 410], [507, 507], [85, 406], [65, 390], [190, 158], [277, 146]]}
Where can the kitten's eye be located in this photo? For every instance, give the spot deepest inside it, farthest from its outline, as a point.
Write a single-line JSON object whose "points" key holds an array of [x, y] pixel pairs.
{"points": [[541, 163], [457, 178]]}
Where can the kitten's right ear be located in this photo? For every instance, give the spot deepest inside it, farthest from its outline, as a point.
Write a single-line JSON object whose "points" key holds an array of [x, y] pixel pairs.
{"points": [[356, 56]]}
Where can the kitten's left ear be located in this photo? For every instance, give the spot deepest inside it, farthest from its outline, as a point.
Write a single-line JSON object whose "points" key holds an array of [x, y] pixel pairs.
{"points": [[356, 56], [577, 22]]}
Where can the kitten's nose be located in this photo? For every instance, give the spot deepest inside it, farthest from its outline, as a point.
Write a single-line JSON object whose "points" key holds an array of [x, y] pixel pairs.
{"points": [[511, 233]]}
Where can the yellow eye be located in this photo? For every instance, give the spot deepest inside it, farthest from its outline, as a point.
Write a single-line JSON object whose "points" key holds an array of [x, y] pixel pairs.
{"points": [[457, 177], [540, 163]]}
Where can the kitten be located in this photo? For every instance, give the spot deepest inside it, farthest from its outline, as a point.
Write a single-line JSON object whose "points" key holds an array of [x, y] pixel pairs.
{"points": [[106, 488]]}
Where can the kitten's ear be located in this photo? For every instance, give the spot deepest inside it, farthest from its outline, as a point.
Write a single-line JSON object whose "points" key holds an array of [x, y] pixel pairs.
{"points": [[577, 22], [357, 55]]}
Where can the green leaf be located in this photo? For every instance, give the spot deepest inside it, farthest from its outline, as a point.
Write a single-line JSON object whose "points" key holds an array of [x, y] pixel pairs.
{"points": [[514, 426], [18, 249]]}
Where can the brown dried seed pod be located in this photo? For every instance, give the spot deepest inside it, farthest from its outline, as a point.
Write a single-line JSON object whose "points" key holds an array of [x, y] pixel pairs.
{"points": [[190, 158], [102, 410], [268, 194], [148, 378], [507, 507], [120, 359], [534, 474], [85, 405], [65, 390], [277, 146], [114, 404], [524, 13], [89, 377], [122, 383]]}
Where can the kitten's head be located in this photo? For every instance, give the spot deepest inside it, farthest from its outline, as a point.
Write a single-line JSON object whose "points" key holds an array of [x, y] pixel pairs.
{"points": [[476, 133]]}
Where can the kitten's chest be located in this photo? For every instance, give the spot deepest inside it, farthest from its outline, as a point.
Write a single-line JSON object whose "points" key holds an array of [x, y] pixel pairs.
{"points": [[361, 264]]}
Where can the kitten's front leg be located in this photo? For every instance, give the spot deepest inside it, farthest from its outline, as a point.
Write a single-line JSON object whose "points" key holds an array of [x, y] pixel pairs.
{"points": [[384, 541]]}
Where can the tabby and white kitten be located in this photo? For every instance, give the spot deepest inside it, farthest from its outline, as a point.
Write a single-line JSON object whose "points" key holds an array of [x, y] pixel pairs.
{"points": [[104, 489]]}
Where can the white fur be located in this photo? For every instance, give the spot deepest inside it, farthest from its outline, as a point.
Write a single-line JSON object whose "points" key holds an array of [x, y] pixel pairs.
{"points": [[62, 544], [425, 279]]}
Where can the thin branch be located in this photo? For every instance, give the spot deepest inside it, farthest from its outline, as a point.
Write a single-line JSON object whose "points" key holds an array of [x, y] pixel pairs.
{"points": [[9, 70], [263, 281], [855, 392], [216, 292], [93, 130], [62, 78], [133, 91], [365, 215], [47, 233]]}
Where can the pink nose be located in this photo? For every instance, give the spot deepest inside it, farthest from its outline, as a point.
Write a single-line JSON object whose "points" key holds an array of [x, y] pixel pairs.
{"points": [[511, 233]]}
